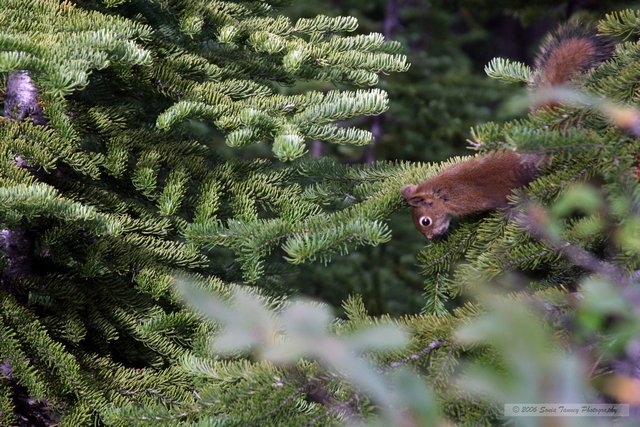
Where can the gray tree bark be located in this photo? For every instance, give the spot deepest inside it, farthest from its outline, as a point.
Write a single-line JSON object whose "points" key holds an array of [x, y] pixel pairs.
{"points": [[21, 100], [21, 103]]}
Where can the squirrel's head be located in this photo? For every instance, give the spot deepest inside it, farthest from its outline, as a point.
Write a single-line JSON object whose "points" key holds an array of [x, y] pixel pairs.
{"points": [[429, 210]]}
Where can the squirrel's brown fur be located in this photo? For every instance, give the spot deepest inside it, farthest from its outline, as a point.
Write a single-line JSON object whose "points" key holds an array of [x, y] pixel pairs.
{"points": [[570, 50], [485, 182], [477, 185], [566, 53]]}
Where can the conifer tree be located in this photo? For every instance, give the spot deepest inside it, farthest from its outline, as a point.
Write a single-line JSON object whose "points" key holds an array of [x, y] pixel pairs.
{"points": [[106, 170], [116, 187], [591, 134], [556, 233], [434, 104]]}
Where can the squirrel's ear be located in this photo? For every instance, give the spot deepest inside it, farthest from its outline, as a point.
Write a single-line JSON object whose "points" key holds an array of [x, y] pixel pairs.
{"points": [[408, 190], [409, 194]]}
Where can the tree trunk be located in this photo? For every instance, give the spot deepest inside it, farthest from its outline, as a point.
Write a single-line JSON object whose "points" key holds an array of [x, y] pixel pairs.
{"points": [[20, 103]]}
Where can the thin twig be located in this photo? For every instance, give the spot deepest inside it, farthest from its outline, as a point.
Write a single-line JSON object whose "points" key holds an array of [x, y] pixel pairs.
{"points": [[533, 221], [435, 344], [314, 387]]}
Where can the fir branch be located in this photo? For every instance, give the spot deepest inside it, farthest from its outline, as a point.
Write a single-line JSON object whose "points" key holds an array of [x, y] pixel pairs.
{"points": [[297, 392], [533, 221], [414, 357], [316, 388], [508, 71]]}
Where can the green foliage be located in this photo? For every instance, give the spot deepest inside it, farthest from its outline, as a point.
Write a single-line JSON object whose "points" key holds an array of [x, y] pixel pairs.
{"points": [[512, 353], [107, 193], [623, 23], [509, 351], [591, 169], [583, 151], [433, 105], [287, 388], [129, 180], [508, 71], [442, 94]]}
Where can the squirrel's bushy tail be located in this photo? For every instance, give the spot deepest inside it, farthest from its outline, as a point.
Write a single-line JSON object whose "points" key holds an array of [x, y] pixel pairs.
{"points": [[568, 51]]}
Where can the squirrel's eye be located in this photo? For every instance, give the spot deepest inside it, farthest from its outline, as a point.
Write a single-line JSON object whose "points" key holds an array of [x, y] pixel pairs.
{"points": [[425, 221]]}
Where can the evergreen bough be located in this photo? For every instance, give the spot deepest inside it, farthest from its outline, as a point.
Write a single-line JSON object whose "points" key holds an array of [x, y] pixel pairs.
{"points": [[118, 188], [105, 174], [585, 141]]}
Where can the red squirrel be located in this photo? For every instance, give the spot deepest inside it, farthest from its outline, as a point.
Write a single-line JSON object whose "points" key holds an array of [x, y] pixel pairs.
{"points": [[483, 183], [477, 185]]}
